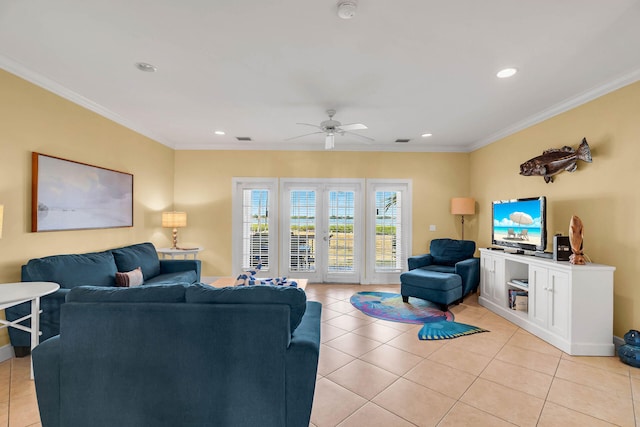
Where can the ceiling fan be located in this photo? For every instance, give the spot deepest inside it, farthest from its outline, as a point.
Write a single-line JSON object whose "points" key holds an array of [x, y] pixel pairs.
{"points": [[331, 128]]}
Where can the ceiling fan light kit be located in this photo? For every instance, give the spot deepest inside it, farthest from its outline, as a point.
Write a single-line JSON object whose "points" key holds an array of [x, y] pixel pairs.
{"points": [[332, 127], [329, 141]]}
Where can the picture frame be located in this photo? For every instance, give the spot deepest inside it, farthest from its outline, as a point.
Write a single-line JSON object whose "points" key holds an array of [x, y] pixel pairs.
{"points": [[69, 195]]}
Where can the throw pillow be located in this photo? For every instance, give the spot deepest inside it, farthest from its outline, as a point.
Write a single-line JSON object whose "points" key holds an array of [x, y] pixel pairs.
{"points": [[130, 278]]}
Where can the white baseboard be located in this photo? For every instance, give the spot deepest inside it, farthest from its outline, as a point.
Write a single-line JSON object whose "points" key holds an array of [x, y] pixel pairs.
{"points": [[6, 352], [617, 342]]}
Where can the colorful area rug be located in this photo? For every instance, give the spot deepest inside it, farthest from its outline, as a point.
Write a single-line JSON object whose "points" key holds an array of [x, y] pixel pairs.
{"points": [[437, 324]]}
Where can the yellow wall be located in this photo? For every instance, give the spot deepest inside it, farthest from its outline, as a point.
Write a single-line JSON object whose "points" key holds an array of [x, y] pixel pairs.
{"points": [[32, 119], [203, 188], [604, 194]]}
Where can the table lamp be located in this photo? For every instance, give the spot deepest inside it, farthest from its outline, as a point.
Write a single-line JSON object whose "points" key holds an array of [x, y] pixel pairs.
{"points": [[463, 206], [174, 220]]}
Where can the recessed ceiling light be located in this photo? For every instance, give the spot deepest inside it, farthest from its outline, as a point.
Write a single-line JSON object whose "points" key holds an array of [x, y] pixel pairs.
{"points": [[219, 132], [147, 68], [426, 135], [507, 72]]}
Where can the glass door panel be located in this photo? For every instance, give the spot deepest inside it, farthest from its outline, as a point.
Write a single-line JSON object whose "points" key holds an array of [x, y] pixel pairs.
{"points": [[388, 231], [255, 221], [323, 230], [255, 226], [302, 227], [341, 234]]}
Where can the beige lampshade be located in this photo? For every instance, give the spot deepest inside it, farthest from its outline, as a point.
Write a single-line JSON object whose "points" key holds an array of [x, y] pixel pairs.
{"points": [[1, 218], [463, 206], [174, 219]]}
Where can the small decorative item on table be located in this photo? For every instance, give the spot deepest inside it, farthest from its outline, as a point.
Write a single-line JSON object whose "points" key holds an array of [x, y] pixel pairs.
{"points": [[249, 278], [575, 238]]}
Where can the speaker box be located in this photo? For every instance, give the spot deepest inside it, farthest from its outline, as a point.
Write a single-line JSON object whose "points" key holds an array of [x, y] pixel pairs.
{"points": [[561, 248]]}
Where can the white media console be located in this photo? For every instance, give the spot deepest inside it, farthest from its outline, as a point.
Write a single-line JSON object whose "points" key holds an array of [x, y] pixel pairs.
{"points": [[569, 306]]}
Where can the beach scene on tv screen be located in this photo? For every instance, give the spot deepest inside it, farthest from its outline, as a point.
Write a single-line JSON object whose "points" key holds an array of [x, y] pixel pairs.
{"points": [[517, 222]]}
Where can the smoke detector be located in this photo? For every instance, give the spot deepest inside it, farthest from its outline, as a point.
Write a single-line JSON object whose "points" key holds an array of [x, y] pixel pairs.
{"points": [[347, 9]]}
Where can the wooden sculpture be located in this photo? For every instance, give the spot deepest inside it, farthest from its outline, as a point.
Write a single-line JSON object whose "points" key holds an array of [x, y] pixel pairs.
{"points": [[575, 239]]}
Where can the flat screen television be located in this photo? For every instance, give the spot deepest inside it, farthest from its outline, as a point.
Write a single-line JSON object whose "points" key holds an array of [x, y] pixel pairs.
{"points": [[520, 224]]}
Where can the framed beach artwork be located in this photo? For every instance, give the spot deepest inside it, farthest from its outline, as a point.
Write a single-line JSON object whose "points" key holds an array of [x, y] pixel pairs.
{"points": [[68, 195]]}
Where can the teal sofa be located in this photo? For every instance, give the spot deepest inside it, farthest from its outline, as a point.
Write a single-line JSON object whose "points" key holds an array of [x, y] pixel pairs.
{"points": [[97, 269], [172, 355]]}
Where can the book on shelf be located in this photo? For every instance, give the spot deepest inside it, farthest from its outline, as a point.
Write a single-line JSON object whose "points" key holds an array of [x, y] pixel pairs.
{"points": [[513, 296], [521, 303], [521, 282]]}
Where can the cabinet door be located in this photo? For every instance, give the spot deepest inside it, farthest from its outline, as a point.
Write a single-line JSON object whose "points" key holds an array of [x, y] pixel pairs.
{"points": [[558, 302], [486, 275], [499, 293], [538, 295]]}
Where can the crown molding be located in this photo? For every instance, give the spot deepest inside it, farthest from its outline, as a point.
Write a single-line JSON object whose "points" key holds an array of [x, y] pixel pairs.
{"points": [[258, 146], [46, 83], [559, 108]]}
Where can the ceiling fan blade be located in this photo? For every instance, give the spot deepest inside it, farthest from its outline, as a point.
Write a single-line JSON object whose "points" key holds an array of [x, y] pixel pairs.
{"points": [[300, 136], [359, 136], [309, 124], [329, 141], [353, 126]]}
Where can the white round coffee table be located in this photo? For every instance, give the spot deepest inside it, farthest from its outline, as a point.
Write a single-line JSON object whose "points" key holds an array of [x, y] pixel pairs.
{"points": [[16, 293]]}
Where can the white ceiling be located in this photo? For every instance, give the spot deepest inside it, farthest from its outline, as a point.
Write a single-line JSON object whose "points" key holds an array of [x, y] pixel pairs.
{"points": [[255, 68]]}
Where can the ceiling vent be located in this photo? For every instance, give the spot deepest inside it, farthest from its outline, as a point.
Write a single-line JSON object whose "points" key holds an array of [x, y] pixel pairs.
{"points": [[243, 138], [402, 140]]}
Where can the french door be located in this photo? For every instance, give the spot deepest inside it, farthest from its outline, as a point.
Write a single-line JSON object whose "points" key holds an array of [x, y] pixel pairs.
{"points": [[322, 225], [321, 229], [255, 225], [388, 229]]}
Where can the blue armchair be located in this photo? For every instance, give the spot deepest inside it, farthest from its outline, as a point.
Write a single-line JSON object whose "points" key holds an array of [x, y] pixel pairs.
{"points": [[445, 275]]}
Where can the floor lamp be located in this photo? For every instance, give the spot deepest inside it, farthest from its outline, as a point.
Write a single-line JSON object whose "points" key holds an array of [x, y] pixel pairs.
{"points": [[463, 206]]}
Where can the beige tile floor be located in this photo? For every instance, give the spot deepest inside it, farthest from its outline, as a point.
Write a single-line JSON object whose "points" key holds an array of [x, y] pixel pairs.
{"points": [[377, 373]]}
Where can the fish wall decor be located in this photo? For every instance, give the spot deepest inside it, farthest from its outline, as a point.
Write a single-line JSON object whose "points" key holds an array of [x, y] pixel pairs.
{"points": [[556, 160]]}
